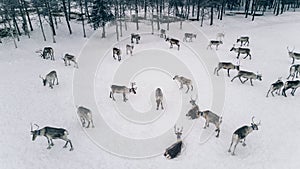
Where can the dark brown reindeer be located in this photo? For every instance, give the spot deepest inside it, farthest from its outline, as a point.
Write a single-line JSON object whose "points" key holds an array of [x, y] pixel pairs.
{"points": [[241, 133], [52, 133], [173, 42], [175, 149]]}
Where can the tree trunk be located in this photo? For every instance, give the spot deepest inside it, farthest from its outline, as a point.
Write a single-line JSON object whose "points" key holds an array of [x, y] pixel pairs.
{"points": [[103, 30], [69, 10], [15, 21], [50, 19], [28, 16], [120, 19], [211, 15], [168, 20], [198, 11], [145, 8], [116, 21], [137, 14], [41, 24], [152, 26], [202, 16], [66, 15], [157, 13], [87, 14], [82, 19], [24, 24]]}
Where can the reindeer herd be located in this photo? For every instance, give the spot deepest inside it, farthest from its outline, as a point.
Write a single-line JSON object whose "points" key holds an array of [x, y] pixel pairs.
{"points": [[239, 136]]}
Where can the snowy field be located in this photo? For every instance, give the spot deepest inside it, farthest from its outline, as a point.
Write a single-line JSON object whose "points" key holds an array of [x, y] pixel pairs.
{"points": [[25, 100]]}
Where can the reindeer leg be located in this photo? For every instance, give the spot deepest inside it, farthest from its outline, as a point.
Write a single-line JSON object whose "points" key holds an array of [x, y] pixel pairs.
{"points": [[234, 78], [124, 97], [228, 72], [92, 123], [157, 104], [188, 88], [268, 93], [229, 150], [49, 144], [181, 86], [244, 144], [251, 82], [241, 79], [192, 87], [161, 104]]}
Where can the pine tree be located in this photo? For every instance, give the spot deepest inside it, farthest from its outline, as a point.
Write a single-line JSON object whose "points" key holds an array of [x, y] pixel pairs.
{"points": [[101, 14]]}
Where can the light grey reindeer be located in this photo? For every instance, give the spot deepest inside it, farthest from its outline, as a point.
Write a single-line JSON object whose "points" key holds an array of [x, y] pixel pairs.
{"points": [[211, 117], [294, 71], [52, 133], [241, 133], [85, 115], [129, 49], [275, 87], [50, 79], [244, 40], [189, 36], [240, 50], [214, 43], [247, 75], [175, 149], [159, 98], [184, 81], [70, 58], [163, 33], [122, 89], [220, 36], [293, 55], [193, 113], [226, 65], [294, 84]]}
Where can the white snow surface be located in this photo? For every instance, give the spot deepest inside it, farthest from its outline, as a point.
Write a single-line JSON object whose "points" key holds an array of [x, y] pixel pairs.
{"points": [[25, 100]]}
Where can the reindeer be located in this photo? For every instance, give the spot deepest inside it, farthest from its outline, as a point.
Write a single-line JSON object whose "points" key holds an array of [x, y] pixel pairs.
{"points": [[184, 81], [137, 37], [189, 36], [129, 48], [294, 71], [50, 79], [163, 33], [275, 87], [117, 52], [173, 41], [241, 50], [241, 133], [85, 115], [48, 51], [244, 40], [226, 65], [211, 117], [68, 59], [290, 85], [52, 133], [175, 149], [214, 43], [293, 55], [194, 112], [247, 75], [159, 98], [220, 36], [122, 89]]}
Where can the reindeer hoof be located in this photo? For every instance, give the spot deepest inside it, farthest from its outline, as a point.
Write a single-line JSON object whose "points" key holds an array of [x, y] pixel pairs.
{"points": [[244, 144], [71, 149], [48, 147]]}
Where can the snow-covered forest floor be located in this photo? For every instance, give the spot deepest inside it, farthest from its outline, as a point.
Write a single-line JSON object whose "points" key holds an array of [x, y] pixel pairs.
{"points": [[25, 100]]}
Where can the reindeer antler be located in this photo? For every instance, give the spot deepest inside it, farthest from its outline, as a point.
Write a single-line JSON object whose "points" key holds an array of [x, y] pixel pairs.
{"points": [[254, 122], [41, 77]]}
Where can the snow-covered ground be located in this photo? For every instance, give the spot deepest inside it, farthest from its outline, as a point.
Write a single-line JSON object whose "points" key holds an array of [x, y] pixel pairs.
{"points": [[25, 100]]}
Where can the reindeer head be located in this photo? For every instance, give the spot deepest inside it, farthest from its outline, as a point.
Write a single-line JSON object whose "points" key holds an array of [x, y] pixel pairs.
{"points": [[175, 77], [167, 39], [291, 52], [259, 76], [35, 133], [178, 132], [195, 36], [221, 42], [233, 48], [193, 101], [254, 125], [133, 89], [43, 80]]}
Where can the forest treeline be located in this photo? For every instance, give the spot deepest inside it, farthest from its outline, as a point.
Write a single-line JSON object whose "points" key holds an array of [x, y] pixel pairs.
{"points": [[16, 16]]}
